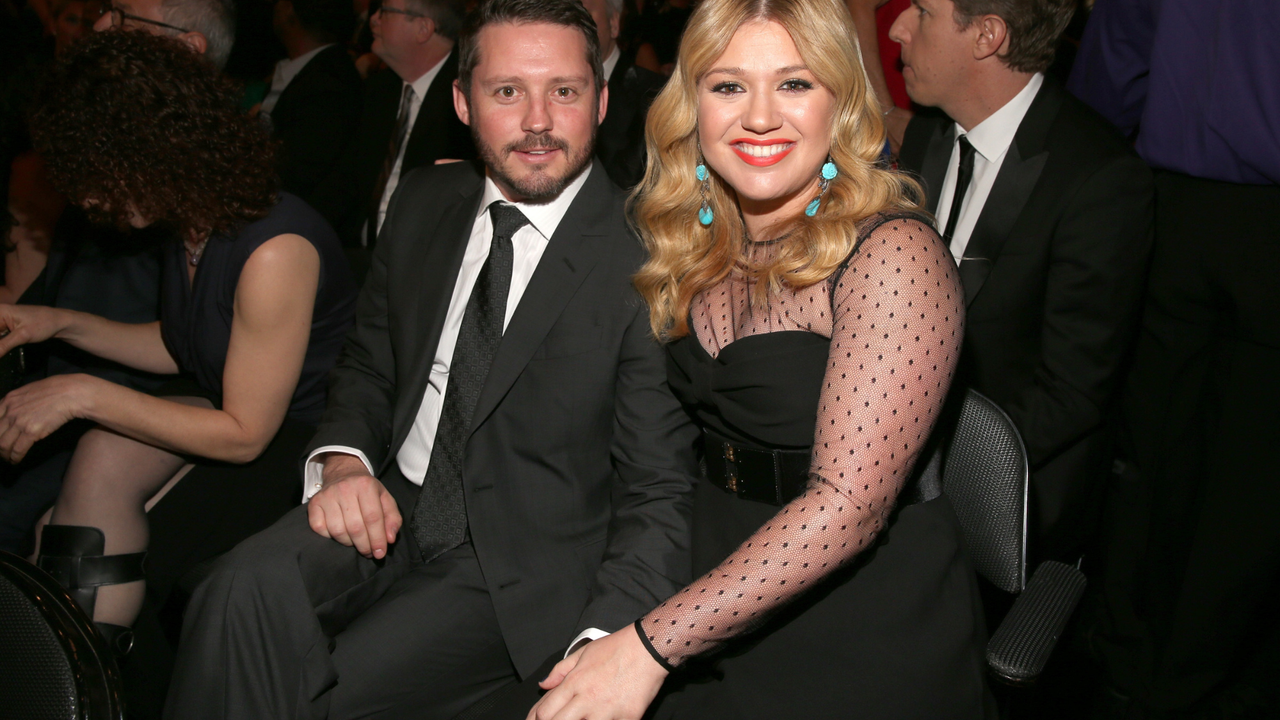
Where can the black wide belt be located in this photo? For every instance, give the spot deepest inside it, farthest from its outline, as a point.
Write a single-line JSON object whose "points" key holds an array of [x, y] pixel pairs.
{"points": [[775, 477]]}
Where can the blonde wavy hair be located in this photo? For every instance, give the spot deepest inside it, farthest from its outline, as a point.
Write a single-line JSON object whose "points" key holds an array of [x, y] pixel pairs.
{"points": [[685, 257]]}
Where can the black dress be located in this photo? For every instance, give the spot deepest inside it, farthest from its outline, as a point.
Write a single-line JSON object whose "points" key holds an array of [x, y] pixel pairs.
{"points": [[217, 505], [842, 603]]}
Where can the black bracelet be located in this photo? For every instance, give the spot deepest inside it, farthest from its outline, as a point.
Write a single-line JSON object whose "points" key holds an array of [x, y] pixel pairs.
{"points": [[649, 646]]}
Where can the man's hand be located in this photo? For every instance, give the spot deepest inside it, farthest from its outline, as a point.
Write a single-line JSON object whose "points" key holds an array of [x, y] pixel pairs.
{"points": [[354, 508], [613, 678]]}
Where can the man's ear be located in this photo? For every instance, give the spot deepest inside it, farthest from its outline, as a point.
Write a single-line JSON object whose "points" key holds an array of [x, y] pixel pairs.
{"points": [[460, 105], [604, 103], [992, 37], [426, 30], [615, 24], [196, 41]]}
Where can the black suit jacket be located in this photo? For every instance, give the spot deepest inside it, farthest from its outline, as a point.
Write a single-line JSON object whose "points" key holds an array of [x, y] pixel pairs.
{"points": [[345, 196], [315, 118], [1053, 277], [580, 463], [620, 141]]}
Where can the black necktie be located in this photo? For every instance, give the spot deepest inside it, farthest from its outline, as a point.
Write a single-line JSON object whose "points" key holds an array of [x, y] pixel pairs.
{"points": [[962, 185], [398, 135], [440, 518]]}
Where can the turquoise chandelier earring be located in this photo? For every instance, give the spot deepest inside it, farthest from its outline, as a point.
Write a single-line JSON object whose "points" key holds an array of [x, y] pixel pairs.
{"points": [[828, 173], [705, 215]]}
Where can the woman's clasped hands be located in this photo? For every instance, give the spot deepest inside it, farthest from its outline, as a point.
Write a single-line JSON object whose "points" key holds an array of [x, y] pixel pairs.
{"points": [[613, 678]]}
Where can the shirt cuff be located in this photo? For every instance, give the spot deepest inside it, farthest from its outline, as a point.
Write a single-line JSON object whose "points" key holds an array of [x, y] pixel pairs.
{"points": [[313, 473], [584, 637]]}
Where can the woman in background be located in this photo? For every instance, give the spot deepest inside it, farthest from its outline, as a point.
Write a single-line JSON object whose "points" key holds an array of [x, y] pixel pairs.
{"points": [[255, 301]]}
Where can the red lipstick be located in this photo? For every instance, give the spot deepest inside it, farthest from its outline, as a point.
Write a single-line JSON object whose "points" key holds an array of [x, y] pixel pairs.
{"points": [[767, 160]]}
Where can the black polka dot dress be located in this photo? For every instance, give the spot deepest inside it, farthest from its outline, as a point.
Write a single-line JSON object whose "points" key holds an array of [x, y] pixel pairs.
{"points": [[841, 603]]}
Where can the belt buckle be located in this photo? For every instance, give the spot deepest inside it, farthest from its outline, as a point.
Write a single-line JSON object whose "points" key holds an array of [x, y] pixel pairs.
{"points": [[730, 469]]}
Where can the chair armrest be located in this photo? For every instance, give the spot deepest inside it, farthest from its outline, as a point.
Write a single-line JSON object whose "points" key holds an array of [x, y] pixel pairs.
{"points": [[1020, 648]]}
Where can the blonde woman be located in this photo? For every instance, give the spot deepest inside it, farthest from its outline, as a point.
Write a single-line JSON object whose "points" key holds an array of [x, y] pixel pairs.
{"points": [[813, 321]]}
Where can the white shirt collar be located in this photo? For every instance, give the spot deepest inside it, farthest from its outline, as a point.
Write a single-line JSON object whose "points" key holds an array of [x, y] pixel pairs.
{"points": [[610, 63], [423, 83], [544, 217], [287, 70], [992, 137]]}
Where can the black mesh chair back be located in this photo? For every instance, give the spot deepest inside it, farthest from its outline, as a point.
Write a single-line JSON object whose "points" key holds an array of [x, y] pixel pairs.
{"points": [[985, 475], [53, 664]]}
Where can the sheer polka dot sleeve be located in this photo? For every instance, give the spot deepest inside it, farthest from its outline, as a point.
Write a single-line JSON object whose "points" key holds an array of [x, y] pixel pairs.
{"points": [[896, 322]]}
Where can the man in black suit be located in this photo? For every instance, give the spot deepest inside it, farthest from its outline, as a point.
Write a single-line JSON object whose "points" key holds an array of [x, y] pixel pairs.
{"points": [[1048, 214], [620, 142], [407, 120], [555, 466], [314, 101]]}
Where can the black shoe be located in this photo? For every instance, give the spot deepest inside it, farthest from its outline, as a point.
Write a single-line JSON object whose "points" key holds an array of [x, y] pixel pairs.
{"points": [[72, 554]]}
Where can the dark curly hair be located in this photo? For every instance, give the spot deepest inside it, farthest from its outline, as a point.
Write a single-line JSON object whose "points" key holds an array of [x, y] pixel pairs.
{"points": [[133, 119]]}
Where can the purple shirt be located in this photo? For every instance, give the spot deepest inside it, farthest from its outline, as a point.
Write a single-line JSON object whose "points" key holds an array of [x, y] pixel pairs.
{"points": [[1199, 80]]}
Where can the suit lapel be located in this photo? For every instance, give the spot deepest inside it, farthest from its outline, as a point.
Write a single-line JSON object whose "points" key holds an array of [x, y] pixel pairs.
{"points": [[571, 253], [934, 169], [433, 264], [1019, 173], [428, 138]]}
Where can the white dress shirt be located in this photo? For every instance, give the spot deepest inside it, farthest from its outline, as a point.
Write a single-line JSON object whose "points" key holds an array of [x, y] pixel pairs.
{"points": [[420, 87], [610, 63], [286, 71], [991, 139]]}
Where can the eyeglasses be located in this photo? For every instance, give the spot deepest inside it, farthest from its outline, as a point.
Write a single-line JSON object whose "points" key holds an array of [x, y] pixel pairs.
{"points": [[118, 17], [398, 11]]}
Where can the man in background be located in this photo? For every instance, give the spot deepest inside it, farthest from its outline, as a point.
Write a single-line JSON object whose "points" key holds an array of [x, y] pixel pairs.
{"points": [[314, 101], [1048, 214], [407, 120]]}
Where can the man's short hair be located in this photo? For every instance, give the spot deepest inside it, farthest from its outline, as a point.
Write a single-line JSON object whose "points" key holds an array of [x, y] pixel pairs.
{"points": [[214, 19], [1035, 27], [615, 7], [328, 21], [568, 13], [446, 14]]}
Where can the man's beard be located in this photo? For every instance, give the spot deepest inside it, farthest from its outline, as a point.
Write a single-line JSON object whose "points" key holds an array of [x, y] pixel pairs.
{"points": [[539, 186]]}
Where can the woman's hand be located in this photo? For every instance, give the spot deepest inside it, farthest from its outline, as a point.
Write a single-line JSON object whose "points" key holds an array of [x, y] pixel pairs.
{"points": [[32, 412], [613, 678], [24, 324]]}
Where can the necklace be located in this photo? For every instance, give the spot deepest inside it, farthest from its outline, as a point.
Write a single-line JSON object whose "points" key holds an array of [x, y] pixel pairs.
{"points": [[194, 251], [761, 243]]}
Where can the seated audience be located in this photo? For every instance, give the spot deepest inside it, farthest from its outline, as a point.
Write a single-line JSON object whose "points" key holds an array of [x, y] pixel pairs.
{"points": [[500, 416], [408, 118], [314, 101], [1048, 213], [620, 143], [255, 300], [1186, 624], [206, 26]]}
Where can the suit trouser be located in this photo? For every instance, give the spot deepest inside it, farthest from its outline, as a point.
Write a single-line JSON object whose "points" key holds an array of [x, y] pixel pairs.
{"points": [[1192, 555], [295, 625]]}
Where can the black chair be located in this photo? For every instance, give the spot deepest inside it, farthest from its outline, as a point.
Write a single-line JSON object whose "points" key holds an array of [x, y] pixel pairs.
{"points": [[985, 475], [53, 664]]}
